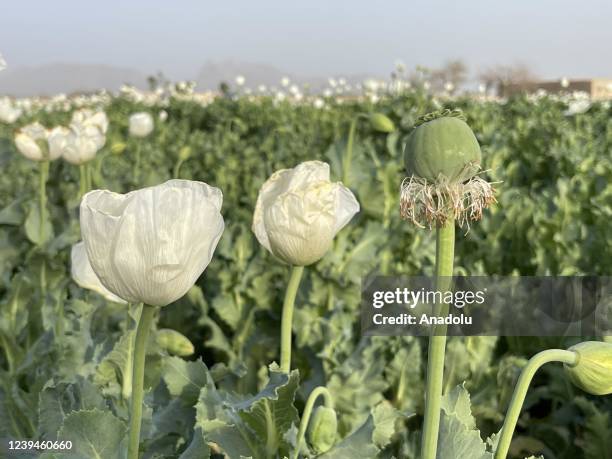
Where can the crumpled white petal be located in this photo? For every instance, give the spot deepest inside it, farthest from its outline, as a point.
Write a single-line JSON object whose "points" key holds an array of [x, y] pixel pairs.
{"points": [[87, 117], [299, 211], [59, 138], [151, 245], [83, 143], [83, 274], [31, 142]]}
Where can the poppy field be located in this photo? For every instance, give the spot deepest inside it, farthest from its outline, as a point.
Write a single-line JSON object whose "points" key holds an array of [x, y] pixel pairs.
{"points": [[181, 277]]}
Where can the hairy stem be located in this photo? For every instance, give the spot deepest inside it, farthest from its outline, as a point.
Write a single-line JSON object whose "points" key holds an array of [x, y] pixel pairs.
{"points": [[520, 391], [312, 398], [140, 347], [445, 250], [287, 320]]}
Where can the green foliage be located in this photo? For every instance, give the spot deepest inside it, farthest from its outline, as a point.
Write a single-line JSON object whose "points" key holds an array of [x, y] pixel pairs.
{"points": [[94, 434], [65, 352]]}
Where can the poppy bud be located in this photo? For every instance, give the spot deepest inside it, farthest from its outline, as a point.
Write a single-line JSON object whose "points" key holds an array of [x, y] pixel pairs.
{"points": [[322, 429], [593, 370], [174, 342], [381, 123]]}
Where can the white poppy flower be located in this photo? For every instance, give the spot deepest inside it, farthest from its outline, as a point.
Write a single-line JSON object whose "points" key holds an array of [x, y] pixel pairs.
{"points": [[82, 143], [151, 245], [141, 124], [9, 113], [162, 115], [299, 211], [576, 107], [85, 277], [86, 117], [240, 80], [319, 103], [58, 139], [31, 141]]}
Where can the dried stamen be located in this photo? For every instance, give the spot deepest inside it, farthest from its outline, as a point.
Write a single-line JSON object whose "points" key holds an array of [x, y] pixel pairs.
{"points": [[429, 204]]}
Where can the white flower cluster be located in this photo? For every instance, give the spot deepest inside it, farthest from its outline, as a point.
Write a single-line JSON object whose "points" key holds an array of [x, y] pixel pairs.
{"points": [[77, 144], [151, 245]]}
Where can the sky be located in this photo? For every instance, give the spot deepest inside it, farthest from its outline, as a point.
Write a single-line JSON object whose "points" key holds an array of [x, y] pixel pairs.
{"points": [[555, 38]]}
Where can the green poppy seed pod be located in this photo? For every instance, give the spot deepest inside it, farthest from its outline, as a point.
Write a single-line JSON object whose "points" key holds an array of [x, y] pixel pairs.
{"points": [[174, 342], [381, 123], [593, 369], [442, 147], [322, 429]]}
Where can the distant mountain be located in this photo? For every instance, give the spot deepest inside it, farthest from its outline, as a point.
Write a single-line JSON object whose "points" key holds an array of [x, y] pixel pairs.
{"points": [[50, 79]]}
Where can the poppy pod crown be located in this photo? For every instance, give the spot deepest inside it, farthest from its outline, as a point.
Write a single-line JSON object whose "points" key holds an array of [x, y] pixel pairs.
{"points": [[442, 159]]}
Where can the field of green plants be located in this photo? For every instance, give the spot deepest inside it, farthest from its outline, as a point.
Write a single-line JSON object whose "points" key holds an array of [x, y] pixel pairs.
{"points": [[214, 389]]}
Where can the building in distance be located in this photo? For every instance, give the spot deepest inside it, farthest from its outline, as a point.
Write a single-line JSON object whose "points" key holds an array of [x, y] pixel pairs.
{"points": [[596, 88]]}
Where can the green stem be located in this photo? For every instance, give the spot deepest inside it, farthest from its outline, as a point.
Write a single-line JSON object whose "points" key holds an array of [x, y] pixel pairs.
{"points": [[287, 320], [348, 155], [42, 197], [177, 169], [445, 250], [17, 431], [14, 306], [126, 384], [136, 169], [8, 351], [312, 398], [82, 180], [100, 161], [520, 391], [43, 278], [59, 320], [89, 176], [140, 347]]}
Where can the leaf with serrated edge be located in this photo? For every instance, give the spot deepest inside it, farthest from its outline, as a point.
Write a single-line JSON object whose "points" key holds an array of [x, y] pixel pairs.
{"points": [[94, 434], [198, 449], [253, 426], [56, 401], [456, 440], [358, 444], [184, 378], [458, 402]]}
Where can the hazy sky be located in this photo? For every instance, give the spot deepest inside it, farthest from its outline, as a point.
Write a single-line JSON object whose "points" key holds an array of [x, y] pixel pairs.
{"points": [[317, 37]]}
